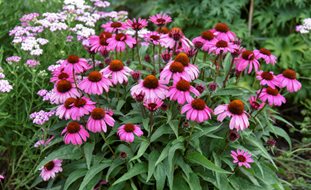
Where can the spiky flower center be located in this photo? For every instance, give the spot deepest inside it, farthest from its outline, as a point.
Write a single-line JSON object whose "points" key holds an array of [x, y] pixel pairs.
{"points": [[98, 113], [163, 30], [49, 166], [267, 75], [207, 35], [116, 24], [69, 102], [73, 127], [289, 73], [248, 55], [198, 104], [116, 65], [265, 51], [129, 127], [63, 75], [161, 21], [241, 158], [272, 91], [176, 67], [221, 44], [183, 59], [95, 76], [183, 85], [73, 59], [120, 37], [151, 82], [236, 107], [103, 38], [63, 86], [80, 102], [155, 37], [222, 27], [176, 33]]}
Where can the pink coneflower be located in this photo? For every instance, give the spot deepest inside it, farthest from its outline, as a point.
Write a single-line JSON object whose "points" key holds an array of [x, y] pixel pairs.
{"points": [[174, 39], [151, 87], [265, 54], [222, 32], [99, 120], [174, 70], [166, 56], [95, 83], [205, 40], [51, 168], [152, 38], [64, 110], [63, 90], [180, 91], [119, 41], [197, 111], [288, 79], [76, 64], [271, 95], [153, 104], [1, 177], [114, 26], [126, 132], [190, 69], [137, 24], [247, 58], [60, 74], [43, 142], [81, 107], [255, 103], [267, 78], [135, 75], [99, 43], [235, 110], [117, 72], [242, 158], [75, 133], [160, 19], [221, 46]]}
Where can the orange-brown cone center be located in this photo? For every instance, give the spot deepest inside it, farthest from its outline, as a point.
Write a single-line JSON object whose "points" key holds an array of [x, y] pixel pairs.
{"points": [[265, 51], [98, 113], [163, 30], [151, 82], [95, 76], [222, 27], [241, 158], [49, 166], [272, 91], [267, 75], [207, 35], [183, 59], [116, 24], [236, 107], [120, 37], [73, 59], [129, 127], [79, 102], [69, 102], [288, 73], [221, 44], [183, 85], [155, 37], [63, 86], [176, 67], [198, 104], [63, 75], [73, 127], [248, 55], [116, 65]]}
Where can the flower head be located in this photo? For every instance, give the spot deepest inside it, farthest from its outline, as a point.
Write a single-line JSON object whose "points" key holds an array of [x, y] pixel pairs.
{"points": [[153, 104], [81, 107], [180, 91], [271, 95], [114, 26], [222, 32], [75, 64], [99, 120], [267, 78], [95, 83], [266, 55], [247, 58], [197, 110], [75, 133], [255, 104], [288, 79], [126, 132], [63, 90], [99, 43], [160, 19], [119, 41], [152, 38], [242, 158], [51, 168], [117, 72], [137, 24]]}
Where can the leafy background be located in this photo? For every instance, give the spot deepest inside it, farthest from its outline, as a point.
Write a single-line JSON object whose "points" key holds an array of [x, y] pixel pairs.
{"points": [[272, 26]]}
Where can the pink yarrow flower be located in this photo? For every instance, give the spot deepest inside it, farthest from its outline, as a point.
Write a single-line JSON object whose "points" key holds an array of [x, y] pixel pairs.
{"points": [[266, 55], [137, 24], [119, 41], [114, 26], [288, 79], [63, 90], [81, 107], [235, 110], [180, 91], [99, 43], [150, 87], [197, 111], [267, 78], [95, 83], [99, 120], [242, 158], [271, 95], [51, 168], [75, 133], [75, 64], [247, 58], [160, 19], [126, 132], [222, 32], [117, 72]]}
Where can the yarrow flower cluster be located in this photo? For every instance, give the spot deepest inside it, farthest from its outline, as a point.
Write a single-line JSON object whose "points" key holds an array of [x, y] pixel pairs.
{"points": [[305, 27], [5, 85], [41, 117]]}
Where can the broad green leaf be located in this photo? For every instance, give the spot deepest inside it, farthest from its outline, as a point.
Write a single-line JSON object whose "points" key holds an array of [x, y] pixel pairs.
{"points": [[134, 171], [88, 153], [160, 176], [179, 183], [115, 163], [197, 158], [73, 177], [152, 158], [280, 132], [193, 182], [159, 132], [174, 126], [120, 105], [93, 171], [163, 154], [143, 147]]}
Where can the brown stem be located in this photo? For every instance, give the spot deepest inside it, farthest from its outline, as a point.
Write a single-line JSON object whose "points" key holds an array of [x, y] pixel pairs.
{"points": [[250, 16]]}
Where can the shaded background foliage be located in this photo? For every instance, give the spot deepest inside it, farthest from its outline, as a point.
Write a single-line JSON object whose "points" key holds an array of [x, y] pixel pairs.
{"points": [[272, 26]]}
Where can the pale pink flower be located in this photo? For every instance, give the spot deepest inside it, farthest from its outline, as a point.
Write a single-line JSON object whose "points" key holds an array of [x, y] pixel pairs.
{"points": [[253, 101], [126, 132], [63, 90], [180, 91], [247, 59], [153, 104], [99, 120], [235, 110], [99, 43], [81, 107], [271, 95], [119, 41], [267, 78], [60, 74], [175, 39], [204, 41], [64, 110], [160, 19], [153, 38], [114, 26], [51, 168], [43, 142], [174, 70], [95, 83], [242, 158], [222, 32], [75, 64], [117, 72], [197, 110], [75, 133], [221, 46], [288, 79], [265, 54]]}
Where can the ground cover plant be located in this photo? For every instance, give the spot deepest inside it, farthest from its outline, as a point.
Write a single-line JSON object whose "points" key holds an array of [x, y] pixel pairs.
{"points": [[134, 103]]}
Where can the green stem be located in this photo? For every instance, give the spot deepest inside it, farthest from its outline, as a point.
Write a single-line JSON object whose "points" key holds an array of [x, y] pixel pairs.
{"points": [[151, 122], [229, 71], [111, 150]]}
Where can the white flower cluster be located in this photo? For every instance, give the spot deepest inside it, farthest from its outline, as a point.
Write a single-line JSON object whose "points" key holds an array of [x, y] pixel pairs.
{"points": [[4, 84], [305, 27]]}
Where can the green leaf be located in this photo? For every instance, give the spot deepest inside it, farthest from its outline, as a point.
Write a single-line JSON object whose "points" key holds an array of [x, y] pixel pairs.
{"points": [[152, 158], [197, 158], [194, 182], [174, 126], [160, 176], [134, 171], [93, 171], [120, 105], [115, 163], [73, 177], [65, 152], [159, 132], [88, 153], [163, 155], [143, 147], [280, 132]]}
